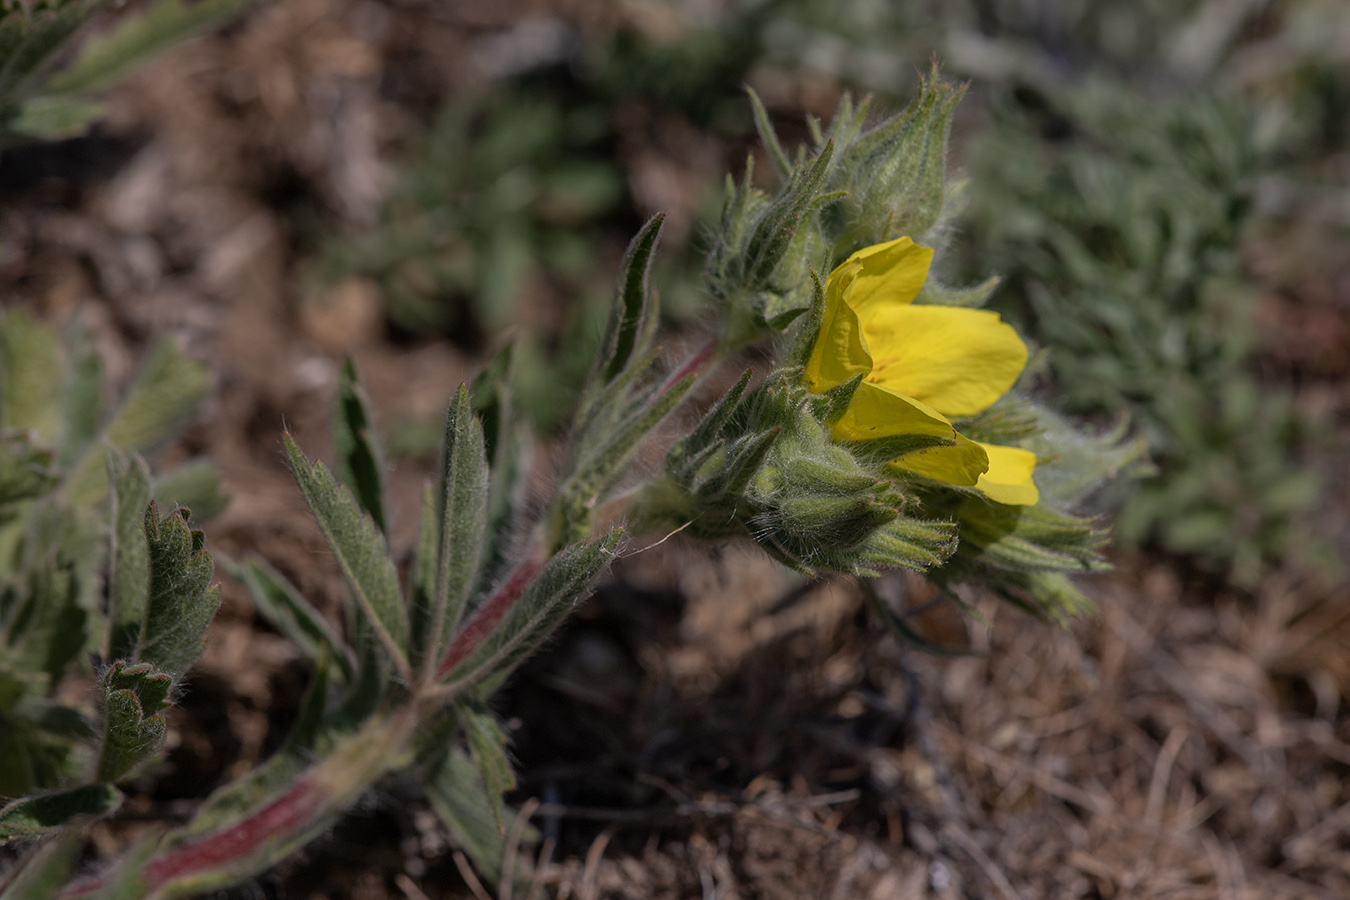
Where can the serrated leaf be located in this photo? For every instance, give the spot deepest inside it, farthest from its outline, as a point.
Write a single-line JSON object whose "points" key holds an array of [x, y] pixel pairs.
{"points": [[133, 729], [462, 510], [488, 744], [360, 552], [128, 552], [35, 816], [181, 601], [286, 610], [360, 459]]}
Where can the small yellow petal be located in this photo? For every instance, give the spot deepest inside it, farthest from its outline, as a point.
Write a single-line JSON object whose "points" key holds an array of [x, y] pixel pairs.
{"points": [[840, 353], [888, 274], [962, 464], [875, 412], [1009, 477], [958, 361]]}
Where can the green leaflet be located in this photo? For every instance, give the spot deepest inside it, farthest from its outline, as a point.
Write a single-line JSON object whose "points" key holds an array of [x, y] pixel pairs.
{"points": [[360, 552], [360, 459], [633, 307], [462, 512], [566, 579]]}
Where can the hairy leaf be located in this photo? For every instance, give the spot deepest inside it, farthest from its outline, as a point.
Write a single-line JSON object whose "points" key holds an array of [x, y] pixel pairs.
{"points": [[181, 601], [360, 552], [35, 816]]}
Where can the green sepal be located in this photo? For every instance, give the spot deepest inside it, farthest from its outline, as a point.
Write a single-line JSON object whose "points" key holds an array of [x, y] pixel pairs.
{"points": [[767, 135], [32, 817]]}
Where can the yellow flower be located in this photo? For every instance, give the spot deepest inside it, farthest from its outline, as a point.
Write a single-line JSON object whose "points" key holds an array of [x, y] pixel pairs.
{"points": [[919, 364]]}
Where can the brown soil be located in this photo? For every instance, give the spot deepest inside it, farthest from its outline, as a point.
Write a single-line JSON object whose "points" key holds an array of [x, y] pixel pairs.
{"points": [[709, 725]]}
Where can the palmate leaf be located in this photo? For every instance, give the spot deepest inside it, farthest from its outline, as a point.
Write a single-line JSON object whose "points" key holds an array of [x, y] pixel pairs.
{"points": [[361, 554], [181, 601]]}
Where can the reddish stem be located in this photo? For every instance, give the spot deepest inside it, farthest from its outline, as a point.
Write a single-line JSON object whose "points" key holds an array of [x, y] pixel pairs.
{"points": [[300, 804], [486, 618], [691, 366]]}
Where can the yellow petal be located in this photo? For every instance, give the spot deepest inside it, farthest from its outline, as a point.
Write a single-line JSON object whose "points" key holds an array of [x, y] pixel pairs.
{"points": [[958, 361], [1009, 477], [888, 274], [962, 464], [875, 412], [840, 353]]}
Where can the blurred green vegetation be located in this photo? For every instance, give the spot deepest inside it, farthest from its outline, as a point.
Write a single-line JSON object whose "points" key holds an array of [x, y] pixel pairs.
{"points": [[1117, 156]]}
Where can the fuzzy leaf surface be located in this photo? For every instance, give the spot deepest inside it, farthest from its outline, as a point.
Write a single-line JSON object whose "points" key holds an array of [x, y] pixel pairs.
{"points": [[360, 551], [35, 816], [181, 601]]}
